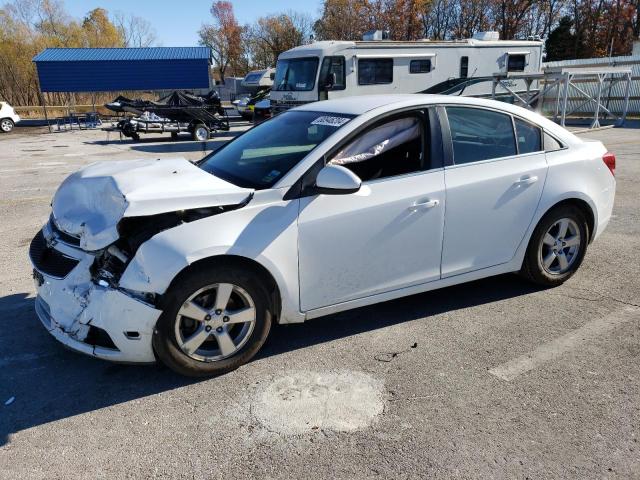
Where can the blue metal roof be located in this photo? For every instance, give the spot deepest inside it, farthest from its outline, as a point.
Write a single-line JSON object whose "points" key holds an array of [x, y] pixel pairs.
{"points": [[122, 54], [122, 69]]}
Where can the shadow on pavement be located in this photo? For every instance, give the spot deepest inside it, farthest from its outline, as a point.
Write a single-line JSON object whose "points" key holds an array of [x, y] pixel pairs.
{"points": [[295, 336], [50, 383]]}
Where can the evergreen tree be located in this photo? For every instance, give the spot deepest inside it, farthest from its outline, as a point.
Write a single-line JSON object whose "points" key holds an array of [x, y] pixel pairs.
{"points": [[561, 42]]}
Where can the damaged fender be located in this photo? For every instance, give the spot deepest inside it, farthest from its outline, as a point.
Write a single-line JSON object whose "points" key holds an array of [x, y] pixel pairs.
{"points": [[248, 232]]}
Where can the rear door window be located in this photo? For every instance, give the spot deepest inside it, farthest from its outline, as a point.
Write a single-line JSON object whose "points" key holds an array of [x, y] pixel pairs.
{"points": [[479, 134], [528, 136]]}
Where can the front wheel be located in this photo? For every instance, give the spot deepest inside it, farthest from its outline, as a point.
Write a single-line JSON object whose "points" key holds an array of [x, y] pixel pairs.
{"points": [[6, 125], [557, 247], [214, 321]]}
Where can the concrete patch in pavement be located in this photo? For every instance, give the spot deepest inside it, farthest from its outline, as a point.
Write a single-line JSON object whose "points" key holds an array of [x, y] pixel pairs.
{"points": [[304, 401]]}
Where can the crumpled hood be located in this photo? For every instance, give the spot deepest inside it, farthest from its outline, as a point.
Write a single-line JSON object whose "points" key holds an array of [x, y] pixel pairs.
{"points": [[91, 202]]}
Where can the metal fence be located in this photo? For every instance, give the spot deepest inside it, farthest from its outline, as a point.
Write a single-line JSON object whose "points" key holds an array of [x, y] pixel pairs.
{"points": [[612, 95]]}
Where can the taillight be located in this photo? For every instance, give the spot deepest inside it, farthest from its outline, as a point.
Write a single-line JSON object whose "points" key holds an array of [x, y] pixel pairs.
{"points": [[609, 160]]}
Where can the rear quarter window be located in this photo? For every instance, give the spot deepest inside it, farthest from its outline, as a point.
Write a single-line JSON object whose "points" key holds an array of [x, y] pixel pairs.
{"points": [[551, 144]]}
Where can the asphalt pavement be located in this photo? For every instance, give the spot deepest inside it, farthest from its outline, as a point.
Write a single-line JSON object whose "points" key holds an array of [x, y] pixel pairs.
{"points": [[496, 378]]}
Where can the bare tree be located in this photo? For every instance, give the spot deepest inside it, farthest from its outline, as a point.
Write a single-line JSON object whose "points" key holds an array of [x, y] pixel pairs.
{"points": [[136, 31], [438, 19]]}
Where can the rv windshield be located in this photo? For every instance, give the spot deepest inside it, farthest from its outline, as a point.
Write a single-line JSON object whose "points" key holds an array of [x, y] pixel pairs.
{"points": [[296, 74]]}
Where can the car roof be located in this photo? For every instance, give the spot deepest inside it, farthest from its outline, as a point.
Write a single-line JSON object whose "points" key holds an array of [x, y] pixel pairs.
{"points": [[361, 104]]}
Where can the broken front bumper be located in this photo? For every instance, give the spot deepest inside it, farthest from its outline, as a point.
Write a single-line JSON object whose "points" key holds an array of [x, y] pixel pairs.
{"points": [[94, 319]]}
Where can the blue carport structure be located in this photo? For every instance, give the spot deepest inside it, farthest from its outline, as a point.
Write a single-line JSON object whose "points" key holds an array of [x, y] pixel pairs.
{"points": [[74, 70]]}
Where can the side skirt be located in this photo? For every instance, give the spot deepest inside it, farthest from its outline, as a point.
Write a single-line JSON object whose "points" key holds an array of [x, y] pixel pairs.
{"points": [[421, 288]]}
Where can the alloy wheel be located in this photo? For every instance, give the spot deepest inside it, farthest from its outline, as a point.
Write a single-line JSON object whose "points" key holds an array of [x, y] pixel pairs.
{"points": [[215, 322], [560, 246], [6, 125]]}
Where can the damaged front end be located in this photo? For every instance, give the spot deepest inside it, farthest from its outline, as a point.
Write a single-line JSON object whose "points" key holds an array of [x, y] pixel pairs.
{"points": [[78, 260], [84, 312]]}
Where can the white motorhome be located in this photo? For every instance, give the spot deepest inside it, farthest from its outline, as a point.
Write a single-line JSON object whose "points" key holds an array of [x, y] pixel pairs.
{"points": [[334, 69]]}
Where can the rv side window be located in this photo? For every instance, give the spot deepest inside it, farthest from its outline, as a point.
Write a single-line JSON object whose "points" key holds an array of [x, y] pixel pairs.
{"points": [[464, 67], [479, 134], [394, 147], [516, 63], [420, 66], [332, 65], [375, 71]]}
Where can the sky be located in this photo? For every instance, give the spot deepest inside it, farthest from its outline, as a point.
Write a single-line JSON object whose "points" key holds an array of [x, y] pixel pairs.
{"points": [[177, 22]]}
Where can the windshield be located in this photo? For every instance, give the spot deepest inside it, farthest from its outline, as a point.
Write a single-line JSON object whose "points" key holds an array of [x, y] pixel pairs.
{"points": [[264, 154], [296, 74]]}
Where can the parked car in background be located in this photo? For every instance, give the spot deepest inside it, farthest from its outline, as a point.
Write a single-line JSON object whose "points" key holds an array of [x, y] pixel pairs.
{"points": [[323, 208], [8, 117], [246, 105], [262, 109]]}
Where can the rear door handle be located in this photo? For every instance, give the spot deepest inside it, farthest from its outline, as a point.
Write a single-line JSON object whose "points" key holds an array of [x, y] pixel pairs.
{"points": [[424, 205], [527, 180]]}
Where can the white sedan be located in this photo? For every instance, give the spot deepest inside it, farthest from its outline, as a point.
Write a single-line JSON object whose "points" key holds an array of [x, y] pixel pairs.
{"points": [[324, 208]]}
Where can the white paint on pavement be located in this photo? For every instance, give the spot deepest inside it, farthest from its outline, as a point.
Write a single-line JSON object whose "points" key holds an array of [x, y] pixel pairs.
{"points": [[307, 401], [555, 348]]}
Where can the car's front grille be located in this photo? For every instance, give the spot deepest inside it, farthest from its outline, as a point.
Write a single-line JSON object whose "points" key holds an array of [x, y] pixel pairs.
{"points": [[64, 237], [48, 260]]}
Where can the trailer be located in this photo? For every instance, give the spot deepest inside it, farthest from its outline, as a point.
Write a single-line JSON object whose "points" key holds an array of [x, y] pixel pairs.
{"points": [[175, 113]]}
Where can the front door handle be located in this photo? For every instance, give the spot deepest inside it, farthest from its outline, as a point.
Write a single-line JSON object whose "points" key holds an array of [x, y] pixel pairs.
{"points": [[527, 180], [427, 204]]}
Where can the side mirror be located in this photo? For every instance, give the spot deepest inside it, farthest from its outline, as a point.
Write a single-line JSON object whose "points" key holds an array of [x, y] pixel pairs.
{"points": [[337, 180], [331, 81]]}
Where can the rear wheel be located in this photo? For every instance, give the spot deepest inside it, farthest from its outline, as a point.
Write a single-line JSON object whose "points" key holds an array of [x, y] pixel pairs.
{"points": [[214, 322], [200, 133], [557, 247], [6, 125]]}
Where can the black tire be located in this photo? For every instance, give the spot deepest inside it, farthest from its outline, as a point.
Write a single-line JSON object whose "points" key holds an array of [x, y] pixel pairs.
{"points": [[164, 336], [174, 136], [533, 268], [200, 132], [6, 125]]}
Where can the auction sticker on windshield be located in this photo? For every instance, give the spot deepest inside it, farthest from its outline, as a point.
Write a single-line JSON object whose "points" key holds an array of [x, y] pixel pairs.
{"points": [[330, 121]]}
